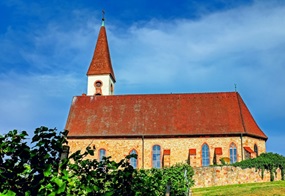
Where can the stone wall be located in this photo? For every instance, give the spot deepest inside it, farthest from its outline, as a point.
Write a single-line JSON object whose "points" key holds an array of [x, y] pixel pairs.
{"points": [[225, 175], [173, 150]]}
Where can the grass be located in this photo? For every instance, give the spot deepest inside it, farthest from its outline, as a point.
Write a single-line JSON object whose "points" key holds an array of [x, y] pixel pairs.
{"points": [[252, 189]]}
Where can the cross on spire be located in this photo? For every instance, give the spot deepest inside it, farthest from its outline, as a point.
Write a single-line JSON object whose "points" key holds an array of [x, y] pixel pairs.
{"points": [[103, 17]]}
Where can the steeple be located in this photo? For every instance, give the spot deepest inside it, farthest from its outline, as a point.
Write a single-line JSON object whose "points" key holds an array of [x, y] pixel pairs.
{"points": [[100, 73]]}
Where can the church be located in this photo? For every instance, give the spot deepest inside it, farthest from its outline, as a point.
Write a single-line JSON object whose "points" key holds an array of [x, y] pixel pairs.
{"points": [[162, 129]]}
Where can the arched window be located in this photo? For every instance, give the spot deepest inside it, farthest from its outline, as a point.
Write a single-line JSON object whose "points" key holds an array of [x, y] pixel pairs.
{"points": [[102, 153], [205, 155], [233, 153], [134, 161], [156, 163], [256, 149]]}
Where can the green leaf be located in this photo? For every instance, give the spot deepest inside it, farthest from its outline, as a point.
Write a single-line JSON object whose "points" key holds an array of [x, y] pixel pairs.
{"points": [[110, 193], [47, 171], [52, 194], [8, 193], [58, 181], [61, 188]]}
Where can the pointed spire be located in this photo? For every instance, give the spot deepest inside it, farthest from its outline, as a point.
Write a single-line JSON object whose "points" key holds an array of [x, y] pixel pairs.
{"points": [[101, 61]]}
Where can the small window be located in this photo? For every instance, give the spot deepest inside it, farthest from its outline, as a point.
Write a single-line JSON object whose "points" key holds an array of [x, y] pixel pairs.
{"points": [[256, 149], [65, 152], [134, 161], [112, 88], [233, 153], [98, 83], [156, 158], [205, 155], [102, 153]]}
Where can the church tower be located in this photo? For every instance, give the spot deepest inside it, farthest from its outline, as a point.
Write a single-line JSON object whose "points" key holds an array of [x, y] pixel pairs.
{"points": [[100, 75]]}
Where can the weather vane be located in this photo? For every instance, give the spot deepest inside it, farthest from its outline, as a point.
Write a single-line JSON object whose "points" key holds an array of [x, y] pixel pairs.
{"points": [[103, 15], [235, 87]]}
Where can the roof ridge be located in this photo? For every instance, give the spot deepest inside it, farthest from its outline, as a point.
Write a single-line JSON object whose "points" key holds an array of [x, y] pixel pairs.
{"points": [[163, 94], [241, 115]]}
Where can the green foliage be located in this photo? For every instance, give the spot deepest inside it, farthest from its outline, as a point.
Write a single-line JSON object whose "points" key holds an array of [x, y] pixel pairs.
{"points": [[266, 161], [39, 170], [223, 161], [153, 182], [180, 177]]}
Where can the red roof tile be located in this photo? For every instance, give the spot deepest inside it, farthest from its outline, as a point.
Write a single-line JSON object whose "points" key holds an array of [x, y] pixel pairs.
{"points": [[160, 115], [192, 151], [101, 61], [219, 151], [248, 149]]}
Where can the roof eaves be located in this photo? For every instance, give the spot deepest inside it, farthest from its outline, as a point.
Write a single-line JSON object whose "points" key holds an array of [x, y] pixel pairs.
{"points": [[160, 135]]}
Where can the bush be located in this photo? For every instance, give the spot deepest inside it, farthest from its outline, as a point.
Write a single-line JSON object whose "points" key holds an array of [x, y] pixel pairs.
{"points": [[41, 169], [266, 161], [225, 160], [154, 181]]}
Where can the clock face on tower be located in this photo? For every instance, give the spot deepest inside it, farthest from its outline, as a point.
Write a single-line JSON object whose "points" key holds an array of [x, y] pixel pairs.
{"points": [[98, 84]]}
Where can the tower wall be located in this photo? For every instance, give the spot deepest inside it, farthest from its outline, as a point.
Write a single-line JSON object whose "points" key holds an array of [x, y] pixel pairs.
{"points": [[107, 87]]}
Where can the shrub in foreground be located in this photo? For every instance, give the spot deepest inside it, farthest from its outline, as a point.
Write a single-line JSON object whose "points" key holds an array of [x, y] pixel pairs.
{"points": [[40, 169]]}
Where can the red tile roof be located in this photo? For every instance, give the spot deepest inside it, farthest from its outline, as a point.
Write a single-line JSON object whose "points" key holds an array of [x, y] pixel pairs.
{"points": [[248, 149], [219, 151], [197, 114], [101, 61]]}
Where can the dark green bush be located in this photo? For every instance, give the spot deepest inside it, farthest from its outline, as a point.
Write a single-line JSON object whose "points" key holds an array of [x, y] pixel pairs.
{"points": [[154, 181], [38, 169]]}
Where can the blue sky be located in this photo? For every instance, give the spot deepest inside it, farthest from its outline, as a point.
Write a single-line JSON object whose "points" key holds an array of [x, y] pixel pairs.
{"points": [[157, 46]]}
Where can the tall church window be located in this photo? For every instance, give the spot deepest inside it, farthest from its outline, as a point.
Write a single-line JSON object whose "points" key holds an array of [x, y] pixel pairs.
{"points": [[233, 153], [205, 155], [156, 160], [256, 149], [102, 153], [134, 161]]}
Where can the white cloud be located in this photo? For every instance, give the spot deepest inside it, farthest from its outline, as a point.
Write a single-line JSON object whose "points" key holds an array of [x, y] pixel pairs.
{"points": [[243, 45], [220, 40], [29, 101]]}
